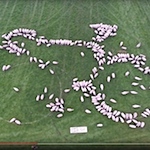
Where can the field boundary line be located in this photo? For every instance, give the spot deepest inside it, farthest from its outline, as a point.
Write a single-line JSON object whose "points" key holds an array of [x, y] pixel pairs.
{"points": [[18, 143], [100, 144]]}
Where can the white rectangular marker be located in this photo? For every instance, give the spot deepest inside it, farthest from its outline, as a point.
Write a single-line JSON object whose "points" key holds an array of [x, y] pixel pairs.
{"points": [[81, 129]]}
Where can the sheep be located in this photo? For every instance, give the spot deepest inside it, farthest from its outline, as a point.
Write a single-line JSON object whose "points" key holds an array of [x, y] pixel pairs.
{"points": [[59, 115], [108, 79], [142, 87], [136, 106], [113, 75], [113, 101], [127, 73], [67, 90], [124, 92], [102, 87], [99, 125], [138, 45], [132, 126], [18, 122], [16, 89], [87, 111], [82, 54], [51, 71], [137, 78], [45, 90], [51, 96], [12, 120], [133, 92], [70, 109], [54, 62]]}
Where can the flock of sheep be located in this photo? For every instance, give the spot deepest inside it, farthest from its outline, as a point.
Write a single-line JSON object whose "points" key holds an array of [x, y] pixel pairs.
{"points": [[102, 31]]}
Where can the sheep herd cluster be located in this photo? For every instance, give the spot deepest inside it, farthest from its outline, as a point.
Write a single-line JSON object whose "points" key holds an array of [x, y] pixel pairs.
{"points": [[102, 31]]}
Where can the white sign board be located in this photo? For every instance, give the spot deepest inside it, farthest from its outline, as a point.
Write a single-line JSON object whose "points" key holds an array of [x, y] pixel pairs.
{"points": [[81, 129]]}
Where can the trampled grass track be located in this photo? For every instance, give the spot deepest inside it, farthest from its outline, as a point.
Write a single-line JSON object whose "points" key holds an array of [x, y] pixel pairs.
{"points": [[70, 20]]}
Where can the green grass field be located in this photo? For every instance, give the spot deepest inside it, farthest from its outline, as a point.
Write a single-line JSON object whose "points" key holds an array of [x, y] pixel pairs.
{"points": [[70, 20]]}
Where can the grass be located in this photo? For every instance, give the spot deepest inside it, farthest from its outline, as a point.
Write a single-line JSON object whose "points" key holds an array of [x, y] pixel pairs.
{"points": [[70, 20]]}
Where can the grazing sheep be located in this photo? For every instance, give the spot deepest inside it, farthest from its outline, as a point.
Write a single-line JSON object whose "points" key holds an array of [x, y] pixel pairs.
{"points": [[113, 101], [87, 111], [82, 54], [59, 115], [67, 90], [133, 92], [51, 71], [137, 78], [45, 90], [55, 62], [135, 83], [70, 109], [113, 75], [37, 97], [136, 106], [108, 79], [138, 45], [132, 126], [125, 92], [142, 87], [18, 122], [81, 99], [99, 125], [12, 120], [127, 73], [42, 97], [16, 89], [51, 96], [102, 87], [121, 44]]}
